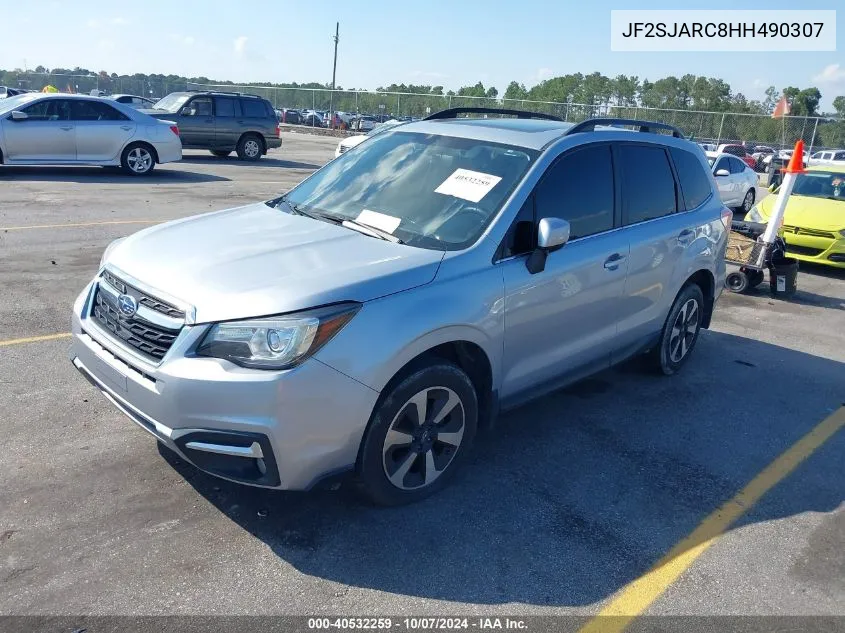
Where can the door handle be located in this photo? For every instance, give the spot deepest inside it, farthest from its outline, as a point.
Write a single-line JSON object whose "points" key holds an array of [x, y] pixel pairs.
{"points": [[209, 120], [126, 127], [612, 262], [685, 237], [66, 128]]}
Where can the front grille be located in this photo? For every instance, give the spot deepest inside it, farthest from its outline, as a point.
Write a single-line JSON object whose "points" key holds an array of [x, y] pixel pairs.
{"points": [[798, 230], [143, 298], [150, 339], [803, 250]]}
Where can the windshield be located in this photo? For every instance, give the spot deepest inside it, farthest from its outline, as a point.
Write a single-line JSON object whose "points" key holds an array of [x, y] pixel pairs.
{"points": [[172, 102], [430, 191], [820, 184]]}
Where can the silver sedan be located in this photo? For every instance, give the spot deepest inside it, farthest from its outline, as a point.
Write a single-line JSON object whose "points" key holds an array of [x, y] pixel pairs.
{"points": [[66, 129]]}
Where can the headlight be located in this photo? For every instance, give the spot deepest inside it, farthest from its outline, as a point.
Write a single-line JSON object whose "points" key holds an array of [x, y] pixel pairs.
{"points": [[754, 215], [109, 249], [276, 342]]}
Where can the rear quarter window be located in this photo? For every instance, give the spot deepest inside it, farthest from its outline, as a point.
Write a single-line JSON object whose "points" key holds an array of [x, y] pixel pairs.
{"points": [[694, 181]]}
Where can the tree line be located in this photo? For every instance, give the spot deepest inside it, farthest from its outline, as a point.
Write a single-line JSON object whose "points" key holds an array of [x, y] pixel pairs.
{"points": [[594, 93]]}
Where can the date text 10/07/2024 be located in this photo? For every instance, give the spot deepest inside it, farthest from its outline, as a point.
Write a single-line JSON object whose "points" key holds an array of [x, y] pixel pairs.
{"points": [[418, 624]]}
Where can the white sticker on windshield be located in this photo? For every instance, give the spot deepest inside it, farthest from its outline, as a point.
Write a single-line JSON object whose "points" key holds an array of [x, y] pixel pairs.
{"points": [[467, 184], [378, 220]]}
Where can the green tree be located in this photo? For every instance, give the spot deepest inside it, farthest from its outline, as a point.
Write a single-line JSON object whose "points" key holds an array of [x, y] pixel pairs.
{"points": [[839, 105]]}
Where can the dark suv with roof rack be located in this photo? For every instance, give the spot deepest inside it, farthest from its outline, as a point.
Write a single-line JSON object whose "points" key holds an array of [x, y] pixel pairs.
{"points": [[373, 318], [222, 122]]}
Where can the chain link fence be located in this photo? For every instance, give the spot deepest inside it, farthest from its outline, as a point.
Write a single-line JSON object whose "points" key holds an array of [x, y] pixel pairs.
{"points": [[704, 127]]}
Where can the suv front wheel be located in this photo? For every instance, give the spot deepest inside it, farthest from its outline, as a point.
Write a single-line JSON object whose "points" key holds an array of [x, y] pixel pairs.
{"points": [[418, 435], [250, 147]]}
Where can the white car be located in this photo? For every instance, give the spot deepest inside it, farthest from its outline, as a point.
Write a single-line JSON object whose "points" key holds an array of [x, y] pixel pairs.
{"points": [[64, 129], [827, 157], [351, 141], [736, 181]]}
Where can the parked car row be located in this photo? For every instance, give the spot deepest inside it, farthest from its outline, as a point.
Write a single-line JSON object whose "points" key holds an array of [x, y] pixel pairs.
{"points": [[71, 129]]}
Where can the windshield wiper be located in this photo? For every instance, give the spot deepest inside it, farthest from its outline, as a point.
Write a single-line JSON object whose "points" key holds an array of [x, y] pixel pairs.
{"points": [[297, 210], [371, 231], [366, 229]]}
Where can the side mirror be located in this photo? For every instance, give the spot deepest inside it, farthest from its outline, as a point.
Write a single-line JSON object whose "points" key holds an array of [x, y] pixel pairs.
{"points": [[186, 111], [17, 115], [552, 234], [722, 172]]}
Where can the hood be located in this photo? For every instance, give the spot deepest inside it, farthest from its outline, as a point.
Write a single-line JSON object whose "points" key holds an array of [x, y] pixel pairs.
{"points": [[352, 141], [256, 261], [159, 114], [808, 212]]}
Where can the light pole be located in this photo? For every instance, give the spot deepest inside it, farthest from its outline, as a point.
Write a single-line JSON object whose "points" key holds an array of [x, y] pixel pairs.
{"points": [[336, 40]]}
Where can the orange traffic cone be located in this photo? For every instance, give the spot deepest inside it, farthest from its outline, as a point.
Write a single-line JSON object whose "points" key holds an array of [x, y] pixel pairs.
{"points": [[796, 163]]}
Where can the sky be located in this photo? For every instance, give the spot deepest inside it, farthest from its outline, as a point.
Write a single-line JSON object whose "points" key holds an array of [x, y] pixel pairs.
{"points": [[438, 42]]}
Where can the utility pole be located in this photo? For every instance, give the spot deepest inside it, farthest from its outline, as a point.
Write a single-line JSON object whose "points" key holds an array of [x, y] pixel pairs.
{"points": [[336, 40]]}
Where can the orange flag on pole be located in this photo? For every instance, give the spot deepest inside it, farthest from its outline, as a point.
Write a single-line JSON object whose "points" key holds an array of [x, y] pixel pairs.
{"points": [[781, 109]]}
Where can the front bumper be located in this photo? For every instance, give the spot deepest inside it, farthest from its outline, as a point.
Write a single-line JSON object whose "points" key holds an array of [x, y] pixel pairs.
{"points": [[278, 429], [815, 249]]}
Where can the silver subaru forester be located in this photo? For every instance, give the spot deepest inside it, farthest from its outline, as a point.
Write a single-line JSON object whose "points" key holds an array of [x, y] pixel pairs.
{"points": [[374, 318]]}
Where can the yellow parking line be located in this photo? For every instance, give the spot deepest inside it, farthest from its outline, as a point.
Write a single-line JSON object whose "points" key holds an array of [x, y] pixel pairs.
{"points": [[62, 226], [641, 593], [34, 339]]}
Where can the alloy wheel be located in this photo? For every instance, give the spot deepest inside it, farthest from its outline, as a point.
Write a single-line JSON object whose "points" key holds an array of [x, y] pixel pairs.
{"points": [[423, 438], [252, 148], [748, 202], [139, 160], [684, 330]]}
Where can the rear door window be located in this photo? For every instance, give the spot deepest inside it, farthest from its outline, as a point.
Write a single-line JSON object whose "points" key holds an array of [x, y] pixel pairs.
{"points": [[95, 111], [224, 106], [253, 108], [694, 181], [648, 186]]}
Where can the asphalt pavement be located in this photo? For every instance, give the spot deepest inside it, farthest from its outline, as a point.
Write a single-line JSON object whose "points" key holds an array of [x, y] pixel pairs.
{"points": [[567, 502]]}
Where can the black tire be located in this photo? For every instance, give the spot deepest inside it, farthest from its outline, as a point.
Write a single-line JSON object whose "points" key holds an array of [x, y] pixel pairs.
{"points": [[220, 153], [138, 159], [396, 413], [755, 278], [737, 281], [250, 147], [663, 357], [747, 202]]}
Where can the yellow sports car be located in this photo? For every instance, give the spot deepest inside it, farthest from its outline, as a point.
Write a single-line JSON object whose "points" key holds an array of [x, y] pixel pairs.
{"points": [[814, 221]]}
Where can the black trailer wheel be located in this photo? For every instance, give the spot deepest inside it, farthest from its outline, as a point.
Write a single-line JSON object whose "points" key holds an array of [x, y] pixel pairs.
{"points": [[755, 278], [737, 281]]}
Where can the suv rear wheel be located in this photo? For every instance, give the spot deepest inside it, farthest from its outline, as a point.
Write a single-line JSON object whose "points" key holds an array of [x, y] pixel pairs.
{"points": [[250, 147], [418, 435], [680, 332]]}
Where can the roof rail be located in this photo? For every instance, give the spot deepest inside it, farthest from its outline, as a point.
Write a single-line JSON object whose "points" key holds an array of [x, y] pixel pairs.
{"points": [[644, 126], [223, 92], [452, 113]]}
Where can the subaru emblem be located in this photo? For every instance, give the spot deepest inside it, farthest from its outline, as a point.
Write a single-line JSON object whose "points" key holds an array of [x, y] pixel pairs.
{"points": [[127, 305]]}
